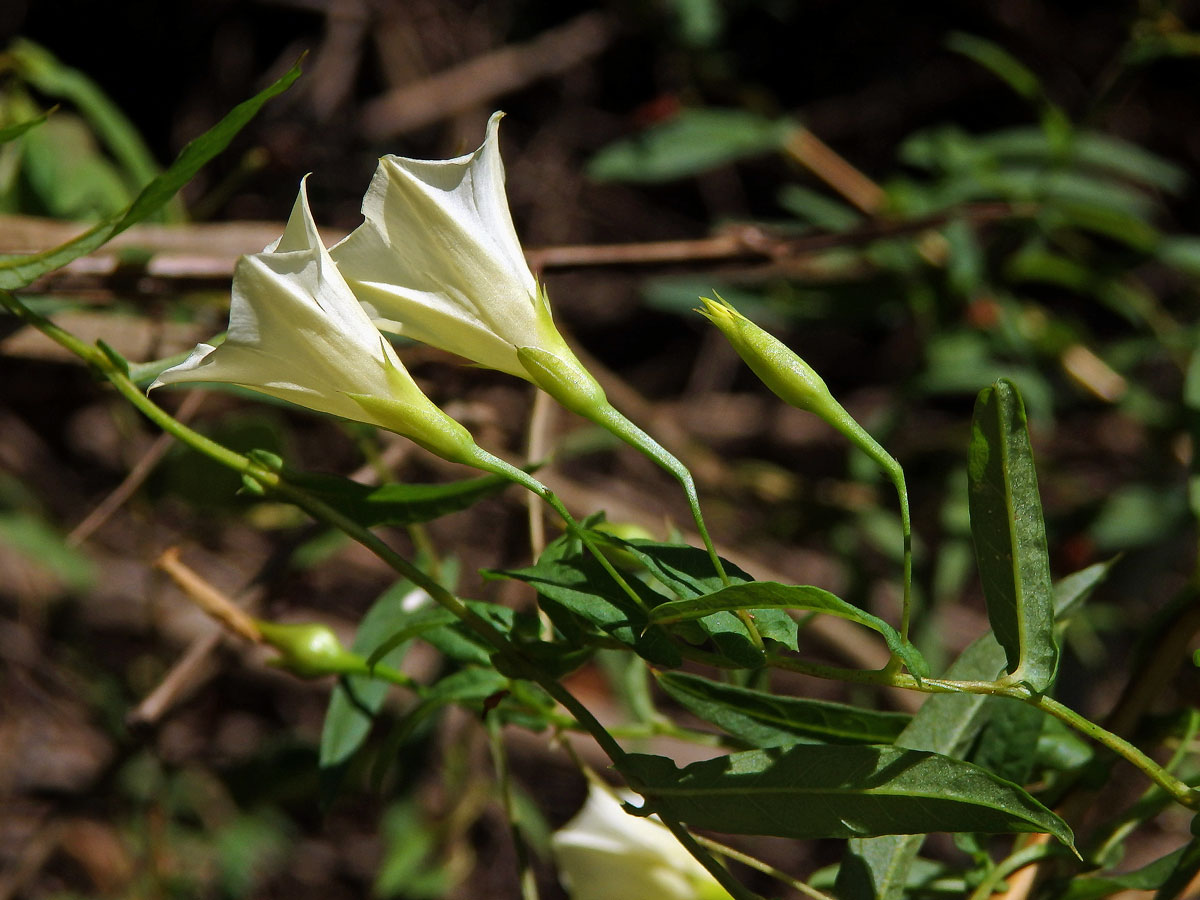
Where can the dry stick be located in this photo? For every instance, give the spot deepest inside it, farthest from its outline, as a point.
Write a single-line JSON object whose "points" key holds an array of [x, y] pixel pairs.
{"points": [[824, 162], [138, 474], [194, 667], [209, 251], [480, 80]]}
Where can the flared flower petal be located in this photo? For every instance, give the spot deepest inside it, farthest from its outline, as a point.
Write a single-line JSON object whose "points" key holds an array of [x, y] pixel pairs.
{"points": [[437, 260], [604, 852], [296, 332]]}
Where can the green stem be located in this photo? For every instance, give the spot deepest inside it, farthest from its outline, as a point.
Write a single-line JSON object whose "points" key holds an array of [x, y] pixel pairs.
{"points": [[862, 439], [485, 461], [747, 860], [610, 419], [1019, 860], [1180, 790], [116, 374], [529, 889], [735, 888]]}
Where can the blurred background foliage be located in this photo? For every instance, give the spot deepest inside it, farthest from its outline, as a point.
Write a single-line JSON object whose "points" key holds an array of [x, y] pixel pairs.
{"points": [[918, 197]]}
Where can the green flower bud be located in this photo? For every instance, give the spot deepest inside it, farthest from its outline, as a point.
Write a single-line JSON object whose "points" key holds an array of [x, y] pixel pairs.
{"points": [[780, 369], [310, 650], [795, 382]]}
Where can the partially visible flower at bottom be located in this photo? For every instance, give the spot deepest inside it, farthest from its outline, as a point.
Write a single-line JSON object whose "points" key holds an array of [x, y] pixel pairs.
{"points": [[604, 852], [296, 332]]}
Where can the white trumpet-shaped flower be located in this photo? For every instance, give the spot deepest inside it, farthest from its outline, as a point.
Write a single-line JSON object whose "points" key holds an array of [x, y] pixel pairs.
{"points": [[437, 260], [296, 332], [604, 852]]}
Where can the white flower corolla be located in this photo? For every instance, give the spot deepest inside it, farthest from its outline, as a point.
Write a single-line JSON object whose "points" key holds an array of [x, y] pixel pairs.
{"points": [[296, 332], [437, 260], [604, 852]]}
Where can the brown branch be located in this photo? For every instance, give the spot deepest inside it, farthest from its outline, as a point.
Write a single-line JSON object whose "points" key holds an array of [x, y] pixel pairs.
{"points": [[210, 251]]}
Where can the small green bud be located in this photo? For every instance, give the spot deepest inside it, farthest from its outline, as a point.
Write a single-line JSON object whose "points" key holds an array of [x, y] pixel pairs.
{"points": [[310, 650], [272, 462]]}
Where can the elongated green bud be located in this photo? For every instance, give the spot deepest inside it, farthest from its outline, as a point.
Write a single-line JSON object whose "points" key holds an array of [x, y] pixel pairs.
{"points": [[776, 365], [798, 385]]}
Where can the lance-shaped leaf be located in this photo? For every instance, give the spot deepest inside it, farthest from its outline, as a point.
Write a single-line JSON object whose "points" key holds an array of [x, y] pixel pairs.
{"points": [[823, 791], [687, 572], [768, 595], [1010, 536], [19, 271], [881, 868], [584, 602], [761, 719]]}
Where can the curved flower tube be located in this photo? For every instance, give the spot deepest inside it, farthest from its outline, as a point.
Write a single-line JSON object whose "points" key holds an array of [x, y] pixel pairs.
{"points": [[796, 383], [296, 332], [437, 260]]}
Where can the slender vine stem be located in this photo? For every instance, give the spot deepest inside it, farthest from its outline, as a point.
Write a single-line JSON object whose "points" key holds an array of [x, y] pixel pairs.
{"points": [[767, 869], [1181, 791], [610, 418], [528, 881], [1024, 857]]}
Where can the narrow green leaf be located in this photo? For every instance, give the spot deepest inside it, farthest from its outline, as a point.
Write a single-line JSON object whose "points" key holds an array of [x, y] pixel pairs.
{"points": [[14, 131], [687, 573], [461, 644], [583, 601], [36, 541], [1072, 590], [1004, 745], [20, 271], [414, 623], [50, 76], [761, 719], [878, 868], [1010, 536], [691, 142], [769, 595], [998, 61], [397, 504], [819, 791], [471, 684]]}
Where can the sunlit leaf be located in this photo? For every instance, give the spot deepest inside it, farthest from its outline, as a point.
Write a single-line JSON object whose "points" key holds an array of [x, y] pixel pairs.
{"points": [[768, 595], [818, 791], [1010, 536]]}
